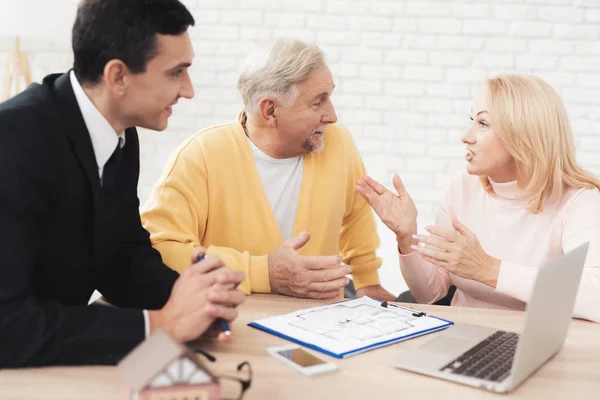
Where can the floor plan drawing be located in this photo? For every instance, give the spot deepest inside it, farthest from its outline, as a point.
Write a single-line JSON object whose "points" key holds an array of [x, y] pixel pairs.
{"points": [[362, 322]]}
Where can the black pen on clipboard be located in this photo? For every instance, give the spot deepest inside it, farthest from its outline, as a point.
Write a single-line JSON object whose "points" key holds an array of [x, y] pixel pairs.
{"points": [[415, 313]]}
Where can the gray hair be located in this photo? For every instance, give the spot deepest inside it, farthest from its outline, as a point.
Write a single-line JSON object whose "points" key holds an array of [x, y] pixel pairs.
{"points": [[275, 70]]}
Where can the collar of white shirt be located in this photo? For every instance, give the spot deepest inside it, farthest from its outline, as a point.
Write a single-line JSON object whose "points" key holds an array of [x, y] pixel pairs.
{"points": [[103, 136]]}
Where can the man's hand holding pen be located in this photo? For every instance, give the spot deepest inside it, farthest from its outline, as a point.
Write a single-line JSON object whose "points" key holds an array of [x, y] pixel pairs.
{"points": [[203, 296]]}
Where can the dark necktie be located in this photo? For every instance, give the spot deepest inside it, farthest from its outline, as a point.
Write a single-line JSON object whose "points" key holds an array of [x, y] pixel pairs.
{"points": [[111, 168]]}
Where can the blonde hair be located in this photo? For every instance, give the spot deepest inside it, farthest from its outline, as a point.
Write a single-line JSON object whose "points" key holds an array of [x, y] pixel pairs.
{"points": [[275, 70], [531, 120]]}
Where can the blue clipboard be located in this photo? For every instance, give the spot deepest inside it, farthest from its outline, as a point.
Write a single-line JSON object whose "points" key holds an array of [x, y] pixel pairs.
{"points": [[445, 324]]}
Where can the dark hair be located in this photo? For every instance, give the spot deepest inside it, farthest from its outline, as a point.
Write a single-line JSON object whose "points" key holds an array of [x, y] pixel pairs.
{"points": [[105, 30]]}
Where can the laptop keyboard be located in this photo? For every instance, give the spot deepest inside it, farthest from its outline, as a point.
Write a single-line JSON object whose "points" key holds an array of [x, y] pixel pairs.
{"points": [[491, 359]]}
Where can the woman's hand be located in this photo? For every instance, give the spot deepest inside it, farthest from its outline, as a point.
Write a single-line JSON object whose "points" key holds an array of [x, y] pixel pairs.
{"points": [[458, 252], [397, 212]]}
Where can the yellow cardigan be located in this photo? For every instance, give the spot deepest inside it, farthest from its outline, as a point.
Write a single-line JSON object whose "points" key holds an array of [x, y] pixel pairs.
{"points": [[210, 195]]}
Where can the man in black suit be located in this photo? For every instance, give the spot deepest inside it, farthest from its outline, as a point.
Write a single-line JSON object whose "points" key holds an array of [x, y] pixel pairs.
{"points": [[69, 219]]}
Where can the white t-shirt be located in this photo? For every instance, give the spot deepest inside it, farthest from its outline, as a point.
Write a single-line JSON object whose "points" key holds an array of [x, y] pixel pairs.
{"points": [[281, 180]]}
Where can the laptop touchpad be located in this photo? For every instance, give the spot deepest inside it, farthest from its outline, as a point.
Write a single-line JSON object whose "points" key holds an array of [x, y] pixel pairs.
{"points": [[448, 345]]}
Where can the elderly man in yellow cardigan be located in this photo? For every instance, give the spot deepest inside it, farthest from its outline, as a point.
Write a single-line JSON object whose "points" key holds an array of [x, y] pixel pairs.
{"points": [[273, 192]]}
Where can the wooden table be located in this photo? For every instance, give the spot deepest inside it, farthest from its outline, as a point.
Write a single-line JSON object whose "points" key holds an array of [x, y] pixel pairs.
{"points": [[574, 373]]}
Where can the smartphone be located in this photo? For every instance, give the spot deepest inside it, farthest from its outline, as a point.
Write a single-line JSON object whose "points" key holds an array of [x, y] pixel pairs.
{"points": [[301, 360]]}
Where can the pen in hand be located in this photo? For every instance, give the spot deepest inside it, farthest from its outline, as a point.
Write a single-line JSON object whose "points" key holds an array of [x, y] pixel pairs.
{"points": [[223, 324]]}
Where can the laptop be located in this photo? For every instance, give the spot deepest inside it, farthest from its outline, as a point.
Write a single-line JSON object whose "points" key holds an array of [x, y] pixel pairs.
{"points": [[498, 360]]}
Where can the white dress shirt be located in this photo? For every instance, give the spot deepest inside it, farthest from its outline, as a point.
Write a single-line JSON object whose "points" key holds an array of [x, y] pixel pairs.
{"points": [[104, 140], [103, 136]]}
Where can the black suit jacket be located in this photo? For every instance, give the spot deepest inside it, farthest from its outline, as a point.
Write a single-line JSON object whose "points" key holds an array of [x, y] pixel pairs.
{"points": [[62, 235]]}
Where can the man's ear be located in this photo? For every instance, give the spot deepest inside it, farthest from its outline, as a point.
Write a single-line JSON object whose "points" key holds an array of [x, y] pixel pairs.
{"points": [[267, 109], [115, 76]]}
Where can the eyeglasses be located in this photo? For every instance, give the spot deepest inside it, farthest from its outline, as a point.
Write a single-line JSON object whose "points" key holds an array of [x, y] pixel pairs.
{"points": [[232, 387]]}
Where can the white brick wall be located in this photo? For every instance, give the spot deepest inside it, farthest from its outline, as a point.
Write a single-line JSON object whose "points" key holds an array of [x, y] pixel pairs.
{"points": [[406, 72]]}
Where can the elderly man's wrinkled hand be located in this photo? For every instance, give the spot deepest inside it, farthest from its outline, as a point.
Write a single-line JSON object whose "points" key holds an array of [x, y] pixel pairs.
{"points": [[315, 277]]}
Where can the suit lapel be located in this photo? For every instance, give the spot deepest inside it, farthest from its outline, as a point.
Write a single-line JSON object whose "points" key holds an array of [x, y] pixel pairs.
{"points": [[75, 128]]}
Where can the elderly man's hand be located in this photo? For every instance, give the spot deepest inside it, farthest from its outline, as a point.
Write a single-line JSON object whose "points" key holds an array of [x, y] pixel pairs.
{"points": [[316, 277]]}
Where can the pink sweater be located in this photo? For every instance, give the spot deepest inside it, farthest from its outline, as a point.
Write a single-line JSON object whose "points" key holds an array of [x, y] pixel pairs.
{"points": [[520, 239]]}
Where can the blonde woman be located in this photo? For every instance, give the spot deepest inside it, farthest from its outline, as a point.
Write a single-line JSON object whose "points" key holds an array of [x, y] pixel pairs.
{"points": [[522, 201]]}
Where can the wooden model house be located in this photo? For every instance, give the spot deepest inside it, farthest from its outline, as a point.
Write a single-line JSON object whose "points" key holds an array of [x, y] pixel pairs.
{"points": [[162, 369]]}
